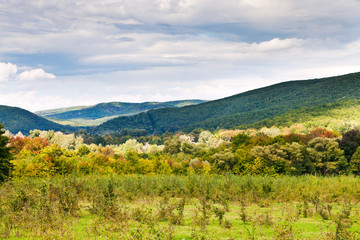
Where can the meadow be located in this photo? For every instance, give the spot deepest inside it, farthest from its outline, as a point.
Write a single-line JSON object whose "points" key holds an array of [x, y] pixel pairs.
{"points": [[180, 207]]}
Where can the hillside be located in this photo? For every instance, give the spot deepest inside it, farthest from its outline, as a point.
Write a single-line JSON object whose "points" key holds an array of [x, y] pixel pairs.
{"points": [[50, 112], [340, 116], [246, 108], [97, 114], [17, 119]]}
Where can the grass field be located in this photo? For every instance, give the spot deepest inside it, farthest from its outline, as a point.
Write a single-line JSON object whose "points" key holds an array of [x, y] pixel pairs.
{"points": [[181, 207]]}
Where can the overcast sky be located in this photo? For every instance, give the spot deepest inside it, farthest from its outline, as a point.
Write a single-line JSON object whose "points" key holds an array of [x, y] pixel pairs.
{"points": [[58, 53]]}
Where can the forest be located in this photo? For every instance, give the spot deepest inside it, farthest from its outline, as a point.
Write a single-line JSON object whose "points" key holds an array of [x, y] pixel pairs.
{"points": [[266, 151]]}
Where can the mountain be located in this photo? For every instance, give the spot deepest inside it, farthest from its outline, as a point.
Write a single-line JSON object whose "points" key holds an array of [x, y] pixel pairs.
{"points": [[261, 105], [97, 114], [17, 119]]}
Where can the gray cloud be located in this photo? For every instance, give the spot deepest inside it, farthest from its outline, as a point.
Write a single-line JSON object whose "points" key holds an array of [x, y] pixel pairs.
{"points": [[137, 50]]}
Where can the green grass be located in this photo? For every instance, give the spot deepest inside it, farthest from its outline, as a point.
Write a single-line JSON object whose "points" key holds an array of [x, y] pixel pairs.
{"points": [[88, 226], [148, 207]]}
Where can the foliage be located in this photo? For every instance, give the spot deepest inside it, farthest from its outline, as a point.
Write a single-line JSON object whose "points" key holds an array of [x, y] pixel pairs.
{"points": [[326, 156], [350, 142], [355, 162], [268, 151], [5, 156]]}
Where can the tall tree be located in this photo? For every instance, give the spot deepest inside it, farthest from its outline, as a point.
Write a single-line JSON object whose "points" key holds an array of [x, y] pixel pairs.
{"points": [[5, 156], [349, 143]]}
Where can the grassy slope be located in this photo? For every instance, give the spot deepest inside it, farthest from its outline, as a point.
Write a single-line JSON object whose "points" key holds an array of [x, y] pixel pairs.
{"points": [[245, 108], [17, 119]]}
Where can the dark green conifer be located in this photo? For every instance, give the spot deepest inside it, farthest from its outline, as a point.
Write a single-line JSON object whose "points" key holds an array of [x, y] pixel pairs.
{"points": [[5, 156]]}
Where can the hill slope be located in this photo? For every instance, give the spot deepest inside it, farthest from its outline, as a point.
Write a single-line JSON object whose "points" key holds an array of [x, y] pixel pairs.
{"points": [[97, 114], [50, 112], [245, 108], [17, 119], [341, 116]]}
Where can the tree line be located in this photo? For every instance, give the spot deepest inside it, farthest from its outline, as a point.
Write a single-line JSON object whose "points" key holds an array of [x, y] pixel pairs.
{"points": [[267, 151]]}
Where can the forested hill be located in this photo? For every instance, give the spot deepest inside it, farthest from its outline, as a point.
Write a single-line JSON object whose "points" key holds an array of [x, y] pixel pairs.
{"points": [[94, 115], [245, 108], [17, 119]]}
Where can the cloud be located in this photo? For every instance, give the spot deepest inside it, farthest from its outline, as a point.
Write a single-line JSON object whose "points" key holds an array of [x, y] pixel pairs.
{"points": [[140, 50], [179, 12], [138, 34], [35, 74], [277, 44], [154, 50], [32, 100], [80, 27], [7, 71]]}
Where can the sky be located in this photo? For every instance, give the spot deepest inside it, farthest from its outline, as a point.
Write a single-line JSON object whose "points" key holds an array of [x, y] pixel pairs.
{"points": [[60, 53]]}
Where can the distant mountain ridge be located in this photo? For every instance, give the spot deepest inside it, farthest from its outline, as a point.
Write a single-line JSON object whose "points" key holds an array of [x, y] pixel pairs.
{"points": [[94, 115], [326, 101], [244, 109], [20, 120]]}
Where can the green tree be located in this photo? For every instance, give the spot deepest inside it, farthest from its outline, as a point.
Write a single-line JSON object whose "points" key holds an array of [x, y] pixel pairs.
{"points": [[240, 139], [5, 156], [272, 157], [326, 156], [172, 146], [355, 162], [83, 151], [224, 160]]}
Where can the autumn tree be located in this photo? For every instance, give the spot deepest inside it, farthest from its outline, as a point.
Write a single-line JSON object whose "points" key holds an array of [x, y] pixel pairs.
{"points": [[350, 142]]}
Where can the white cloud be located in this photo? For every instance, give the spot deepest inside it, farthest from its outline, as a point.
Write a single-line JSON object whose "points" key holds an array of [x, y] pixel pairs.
{"points": [[35, 74], [277, 44], [170, 49], [32, 100], [354, 46], [7, 71], [85, 26]]}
